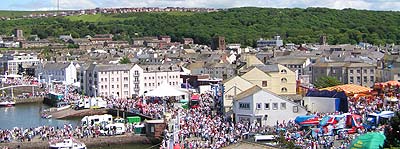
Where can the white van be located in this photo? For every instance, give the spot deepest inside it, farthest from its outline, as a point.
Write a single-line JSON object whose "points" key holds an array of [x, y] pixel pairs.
{"points": [[96, 120]]}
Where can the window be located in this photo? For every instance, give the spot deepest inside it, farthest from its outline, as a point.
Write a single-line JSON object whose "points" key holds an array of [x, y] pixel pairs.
{"points": [[283, 71], [105, 79], [101, 79], [117, 79], [105, 86], [365, 71], [333, 71], [125, 78], [358, 71], [295, 109], [145, 84], [365, 80], [125, 85], [145, 78], [102, 87], [158, 84], [117, 86], [283, 80], [284, 90], [266, 106], [351, 71], [112, 79], [275, 106], [125, 71], [371, 71], [245, 106], [283, 105], [351, 79], [358, 79], [125, 92], [258, 105], [112, 86], [372, 78], [264, 83]]}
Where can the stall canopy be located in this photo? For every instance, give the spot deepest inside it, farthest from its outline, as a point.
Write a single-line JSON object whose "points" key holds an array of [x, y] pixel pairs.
{"points": [[195, 97], [371, 140], [165, 90], [349, 89], [387, 84]]}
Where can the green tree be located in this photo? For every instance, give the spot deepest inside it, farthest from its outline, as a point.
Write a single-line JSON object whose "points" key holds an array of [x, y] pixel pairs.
{"points": [[326, 81], [392, 132], [124, 60]]}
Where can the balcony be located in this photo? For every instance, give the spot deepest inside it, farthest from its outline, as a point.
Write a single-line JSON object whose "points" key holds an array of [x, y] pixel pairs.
{"points": [[136, 81], [136, 74]]}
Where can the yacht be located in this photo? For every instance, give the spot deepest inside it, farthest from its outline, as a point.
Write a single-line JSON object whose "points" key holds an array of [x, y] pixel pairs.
{"points": [[7, 103], [67, 144]]}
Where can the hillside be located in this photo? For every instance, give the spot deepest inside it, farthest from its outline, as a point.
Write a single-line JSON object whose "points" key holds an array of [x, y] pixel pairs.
{"points": [[243, 25]]}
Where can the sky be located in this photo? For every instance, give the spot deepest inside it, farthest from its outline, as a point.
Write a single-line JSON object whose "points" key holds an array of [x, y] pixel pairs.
{"points": [[386, 5]]}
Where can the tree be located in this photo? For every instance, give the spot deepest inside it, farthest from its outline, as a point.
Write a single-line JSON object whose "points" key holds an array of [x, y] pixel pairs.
{"points": [[326, 81], [124, 60], [392, 132]]}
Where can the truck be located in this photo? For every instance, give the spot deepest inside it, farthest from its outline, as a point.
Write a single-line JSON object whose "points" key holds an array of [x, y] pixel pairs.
{"points": [[373, 120]]}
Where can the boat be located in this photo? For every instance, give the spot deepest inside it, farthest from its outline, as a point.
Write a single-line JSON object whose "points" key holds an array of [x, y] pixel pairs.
{"points": [[7, 103], [67, 144]]}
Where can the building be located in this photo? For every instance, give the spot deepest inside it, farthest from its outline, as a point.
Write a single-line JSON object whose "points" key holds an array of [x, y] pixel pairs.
{"points": [[166, 39], [276, 42], [300, 65], [346, 72], [127, 80], [275, 78], [264, 107], [232, 87], [19, 34], [218, 43], [14, 63], [187, 41], [322, 40], [152, 76], [215, 70], [65, 72], [35, 44], [108, 80]]}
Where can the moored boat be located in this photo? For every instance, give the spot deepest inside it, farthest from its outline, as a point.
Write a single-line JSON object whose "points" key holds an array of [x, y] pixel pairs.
{"points": [[7, 103], [67, 144]]}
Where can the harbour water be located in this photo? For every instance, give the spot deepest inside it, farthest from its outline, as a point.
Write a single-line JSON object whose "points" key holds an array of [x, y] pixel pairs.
{"points": [[28, 116]]}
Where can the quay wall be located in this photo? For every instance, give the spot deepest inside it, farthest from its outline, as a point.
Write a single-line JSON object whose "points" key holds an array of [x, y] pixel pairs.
{"points": [[90, 142], [28, 100]]}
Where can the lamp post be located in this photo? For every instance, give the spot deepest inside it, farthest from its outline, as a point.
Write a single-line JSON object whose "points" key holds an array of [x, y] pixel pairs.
{"points": [[94, 90], [50, 87], [39, 79]]}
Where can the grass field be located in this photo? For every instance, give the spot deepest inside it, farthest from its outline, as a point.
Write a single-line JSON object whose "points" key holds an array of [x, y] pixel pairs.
{"points": [[97, 18], [12, 14]]}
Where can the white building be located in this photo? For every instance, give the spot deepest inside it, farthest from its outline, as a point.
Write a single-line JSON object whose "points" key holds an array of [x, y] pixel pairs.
{"points": [[264, 107], [276, 42], [65, 72], [10, 62], [126, 80], [154, 75]]}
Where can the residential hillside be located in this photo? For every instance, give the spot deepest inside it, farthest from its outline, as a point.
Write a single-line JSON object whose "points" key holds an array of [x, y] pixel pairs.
{"points": [[237, 25]]}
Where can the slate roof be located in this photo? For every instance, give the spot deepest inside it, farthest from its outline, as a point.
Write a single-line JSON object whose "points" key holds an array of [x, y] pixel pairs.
{"points": [[55, 66]]}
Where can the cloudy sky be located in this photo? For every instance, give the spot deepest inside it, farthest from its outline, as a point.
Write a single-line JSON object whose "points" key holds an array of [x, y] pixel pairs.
{"points": [[81, 4]]}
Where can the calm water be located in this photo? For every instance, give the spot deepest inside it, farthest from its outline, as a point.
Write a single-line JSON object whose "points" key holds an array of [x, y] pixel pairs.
{"points": [[27, 116]]}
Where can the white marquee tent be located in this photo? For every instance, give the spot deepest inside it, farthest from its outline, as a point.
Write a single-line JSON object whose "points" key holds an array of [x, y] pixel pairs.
{"points": [[166, 90]]}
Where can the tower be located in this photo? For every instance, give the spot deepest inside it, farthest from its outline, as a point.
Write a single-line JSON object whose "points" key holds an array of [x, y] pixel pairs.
{"points": [[218, 43], [322, 40], [18, 34]]}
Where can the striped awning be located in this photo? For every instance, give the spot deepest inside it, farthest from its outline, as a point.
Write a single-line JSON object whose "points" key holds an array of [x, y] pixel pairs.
{"points": [[349, 89]]}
